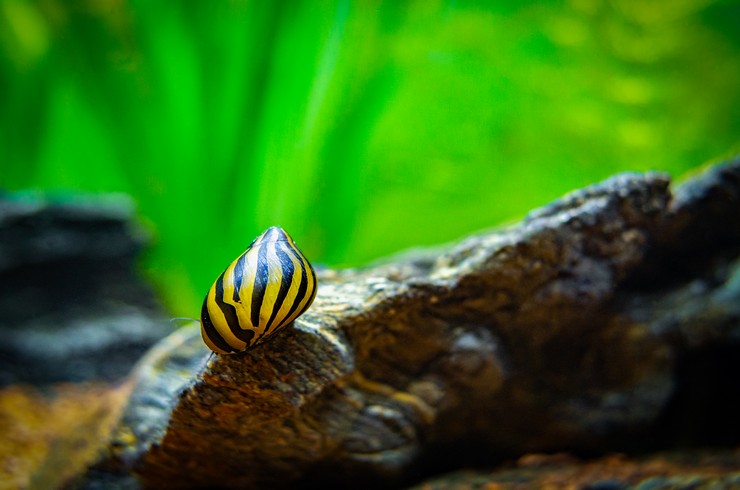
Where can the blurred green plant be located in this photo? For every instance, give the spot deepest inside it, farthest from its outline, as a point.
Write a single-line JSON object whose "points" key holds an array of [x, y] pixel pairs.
{"points": [[362, 127]]}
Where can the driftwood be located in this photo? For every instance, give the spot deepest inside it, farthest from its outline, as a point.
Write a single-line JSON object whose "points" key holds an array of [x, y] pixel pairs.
{"points": [[567, 331]]}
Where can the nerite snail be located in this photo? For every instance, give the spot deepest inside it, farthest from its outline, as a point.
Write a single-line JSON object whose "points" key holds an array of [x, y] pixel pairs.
{"points": [[263, 290]]}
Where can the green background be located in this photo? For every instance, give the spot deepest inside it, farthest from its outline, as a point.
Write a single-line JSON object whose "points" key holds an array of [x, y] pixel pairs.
{"points": [[362, 127]]}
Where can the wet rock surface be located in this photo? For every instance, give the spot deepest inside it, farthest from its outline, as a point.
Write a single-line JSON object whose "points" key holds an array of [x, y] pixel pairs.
{"points": [[608, 320]]}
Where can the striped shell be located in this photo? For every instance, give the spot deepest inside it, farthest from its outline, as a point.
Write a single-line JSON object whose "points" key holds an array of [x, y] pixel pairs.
{"points": [[262, 291]]}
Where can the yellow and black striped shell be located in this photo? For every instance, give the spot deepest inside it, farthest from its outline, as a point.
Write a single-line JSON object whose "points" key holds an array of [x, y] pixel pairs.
{"points": [[263, 290]]}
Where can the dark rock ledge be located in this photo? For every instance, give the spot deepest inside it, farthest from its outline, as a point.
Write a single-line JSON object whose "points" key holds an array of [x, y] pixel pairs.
{"points": [[73, 307], [608, 320]]}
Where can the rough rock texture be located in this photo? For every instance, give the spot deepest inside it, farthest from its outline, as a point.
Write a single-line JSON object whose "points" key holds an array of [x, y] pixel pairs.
{"points": [[688, 470], [579, 329], [72, 307], [51, 435]]}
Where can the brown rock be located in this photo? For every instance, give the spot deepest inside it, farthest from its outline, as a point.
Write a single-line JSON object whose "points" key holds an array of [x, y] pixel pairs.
{"points": [[563, 332], [49, 437], [668, 471]]}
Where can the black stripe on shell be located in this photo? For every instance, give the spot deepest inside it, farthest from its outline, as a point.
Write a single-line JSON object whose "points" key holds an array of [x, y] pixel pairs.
{"points": [[313, 291], [239, 275], [302, 287], [211, 332], [287, 273], [229, 311], [261, 277]]}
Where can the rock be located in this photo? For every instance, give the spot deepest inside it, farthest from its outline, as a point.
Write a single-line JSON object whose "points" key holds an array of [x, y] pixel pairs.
{"points": [[72, 307], [572, 330], [50, 435], [664, 471]]}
